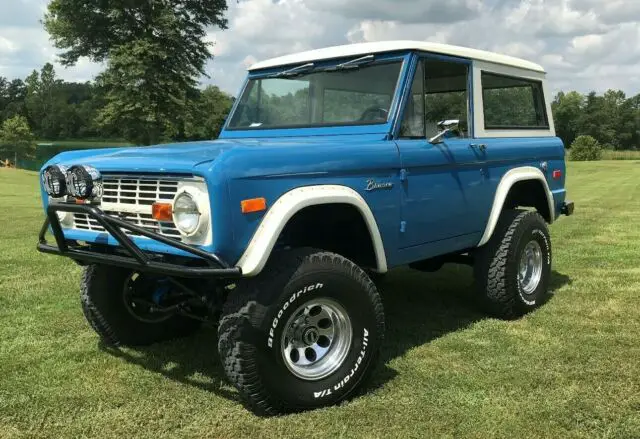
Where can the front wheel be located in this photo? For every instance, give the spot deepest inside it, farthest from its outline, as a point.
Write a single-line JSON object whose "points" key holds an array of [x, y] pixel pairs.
{"points": [[303, 334], [114, 302], [513, 269]]}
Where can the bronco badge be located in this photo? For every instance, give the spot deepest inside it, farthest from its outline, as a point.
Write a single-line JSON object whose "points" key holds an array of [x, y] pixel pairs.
{"points": [[372, 185]]}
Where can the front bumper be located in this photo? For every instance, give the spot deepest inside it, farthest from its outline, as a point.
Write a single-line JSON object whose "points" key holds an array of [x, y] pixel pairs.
{"points": [[134, 257]]}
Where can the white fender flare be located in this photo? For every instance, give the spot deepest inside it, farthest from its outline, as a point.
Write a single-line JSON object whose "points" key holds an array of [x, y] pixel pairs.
{"points": [[508, 180], [257, 252]]}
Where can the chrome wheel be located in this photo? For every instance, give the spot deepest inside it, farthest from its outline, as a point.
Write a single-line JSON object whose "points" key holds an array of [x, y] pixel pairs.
{"points": [[316, 339], [530, 268]]}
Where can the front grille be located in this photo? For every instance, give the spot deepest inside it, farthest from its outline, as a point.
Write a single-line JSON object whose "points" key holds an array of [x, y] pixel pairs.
{"points": [[82, 221], [130, 198], [138, 191]]}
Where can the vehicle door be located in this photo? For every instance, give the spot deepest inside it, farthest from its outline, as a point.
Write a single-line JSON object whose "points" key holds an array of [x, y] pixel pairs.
{"points": [[444, 180]]}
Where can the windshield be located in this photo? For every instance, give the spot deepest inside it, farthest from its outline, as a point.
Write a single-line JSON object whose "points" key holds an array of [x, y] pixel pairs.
{"points": [[308, 97]]}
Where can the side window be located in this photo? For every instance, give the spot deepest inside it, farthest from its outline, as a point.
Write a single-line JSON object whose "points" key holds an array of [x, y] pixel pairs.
{"points": [[439, 92], [413, 119], [513, 103], [446, 95]]}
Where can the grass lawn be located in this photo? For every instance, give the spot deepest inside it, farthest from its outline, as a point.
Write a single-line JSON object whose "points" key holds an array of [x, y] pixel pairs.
{"points": [[571, 369]]}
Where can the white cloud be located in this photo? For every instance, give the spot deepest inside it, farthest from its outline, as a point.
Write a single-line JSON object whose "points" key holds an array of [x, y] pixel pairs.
{"points": [[610, 11], [422, 12], [550, 18], [583, 44], [587, 44]]}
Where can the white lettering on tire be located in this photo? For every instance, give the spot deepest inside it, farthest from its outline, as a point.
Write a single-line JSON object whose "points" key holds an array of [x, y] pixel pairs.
{"points": [[349, 375], [546, 243], [295, 296]]}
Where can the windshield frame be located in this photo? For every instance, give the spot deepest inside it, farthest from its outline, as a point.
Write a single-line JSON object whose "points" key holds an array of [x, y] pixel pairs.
{"points": [[355, 127]]}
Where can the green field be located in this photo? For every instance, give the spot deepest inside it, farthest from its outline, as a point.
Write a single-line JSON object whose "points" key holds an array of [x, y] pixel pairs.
{"points": [[571, 369]]}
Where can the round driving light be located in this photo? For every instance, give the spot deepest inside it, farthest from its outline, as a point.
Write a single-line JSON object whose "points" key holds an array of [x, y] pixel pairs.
{"points": [[54, 181], [186, 214], [84, 182]]}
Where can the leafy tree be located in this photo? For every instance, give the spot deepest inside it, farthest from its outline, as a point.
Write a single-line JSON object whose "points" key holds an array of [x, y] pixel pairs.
{"points": [[585, 148], [155, 51], [13, 99], [567, 109], [16, 138], [206, 113], [79, 105], [612, 118], [44, 102]]}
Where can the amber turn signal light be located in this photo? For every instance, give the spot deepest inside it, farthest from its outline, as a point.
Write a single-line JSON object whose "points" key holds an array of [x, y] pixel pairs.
{"points": [[162, 211], [253, 205]]}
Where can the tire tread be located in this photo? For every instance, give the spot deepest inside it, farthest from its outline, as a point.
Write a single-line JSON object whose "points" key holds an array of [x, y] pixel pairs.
{"points": [[492, 262], [242, 311], [106, 314]]}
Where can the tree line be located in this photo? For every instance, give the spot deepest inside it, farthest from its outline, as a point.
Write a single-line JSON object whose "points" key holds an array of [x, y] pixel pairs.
{"points": [[612, 119], [44, 107], [154, 53]]}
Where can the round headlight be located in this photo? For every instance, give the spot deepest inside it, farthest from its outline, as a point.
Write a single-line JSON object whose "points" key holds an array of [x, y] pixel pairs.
{"points": [[64, 218], [84, 182], [54, 181], [186, 214]]}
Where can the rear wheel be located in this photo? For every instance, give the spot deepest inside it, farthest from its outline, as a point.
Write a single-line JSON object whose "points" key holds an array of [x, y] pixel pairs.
{"points": [[123, 307], [513, 269], [305, 333]]}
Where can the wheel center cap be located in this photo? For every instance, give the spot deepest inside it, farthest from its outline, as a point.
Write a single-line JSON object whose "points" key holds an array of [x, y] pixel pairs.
{"points": [[310, 336]]}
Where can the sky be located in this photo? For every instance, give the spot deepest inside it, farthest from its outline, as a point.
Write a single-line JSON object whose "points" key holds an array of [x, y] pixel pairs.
{"points": [[583, 44]]}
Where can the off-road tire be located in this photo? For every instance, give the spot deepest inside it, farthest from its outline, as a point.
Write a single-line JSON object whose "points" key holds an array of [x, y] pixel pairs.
{"points": [[104, 308], [252, 355], [496, 265]]}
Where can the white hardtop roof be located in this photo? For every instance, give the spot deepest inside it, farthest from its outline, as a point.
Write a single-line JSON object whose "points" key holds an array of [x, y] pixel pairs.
{"points": [[392, 46]]}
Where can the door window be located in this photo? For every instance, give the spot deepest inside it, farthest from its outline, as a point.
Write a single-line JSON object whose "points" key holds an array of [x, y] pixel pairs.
{"points": [[440, 91]]}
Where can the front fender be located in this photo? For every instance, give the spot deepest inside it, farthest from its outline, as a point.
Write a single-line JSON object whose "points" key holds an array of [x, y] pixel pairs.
{"points": [[264, 239]]}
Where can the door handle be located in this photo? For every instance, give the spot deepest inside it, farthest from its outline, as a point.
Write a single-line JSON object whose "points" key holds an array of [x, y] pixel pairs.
{"points": [[481, 146]]}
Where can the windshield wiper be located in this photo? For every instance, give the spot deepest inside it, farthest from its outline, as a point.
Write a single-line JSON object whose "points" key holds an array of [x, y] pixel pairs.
{"points": [[298, 70], [353, 64]]}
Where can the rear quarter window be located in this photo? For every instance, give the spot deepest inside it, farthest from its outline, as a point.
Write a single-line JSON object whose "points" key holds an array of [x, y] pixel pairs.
{"points": [[513, 103]]}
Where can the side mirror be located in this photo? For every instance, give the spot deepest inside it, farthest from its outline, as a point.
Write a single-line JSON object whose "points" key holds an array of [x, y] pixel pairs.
{"points": [[446, 126]]}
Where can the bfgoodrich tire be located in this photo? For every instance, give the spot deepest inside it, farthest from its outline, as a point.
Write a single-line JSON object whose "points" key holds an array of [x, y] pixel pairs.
{"points": [[305, 333], [513, 269], [103, 305]]}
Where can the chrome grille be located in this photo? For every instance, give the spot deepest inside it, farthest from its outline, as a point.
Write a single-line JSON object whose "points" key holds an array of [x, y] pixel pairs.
{"points": [[82, 221], [130, 198], [138, 191]]}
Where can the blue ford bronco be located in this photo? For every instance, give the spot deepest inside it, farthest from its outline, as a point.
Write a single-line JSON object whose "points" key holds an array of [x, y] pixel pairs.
{"points": [[334, 166]]}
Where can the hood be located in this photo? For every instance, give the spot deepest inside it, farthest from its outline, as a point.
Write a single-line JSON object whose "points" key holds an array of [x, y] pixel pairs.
{"points": [[173, 157], [184, 157]]}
